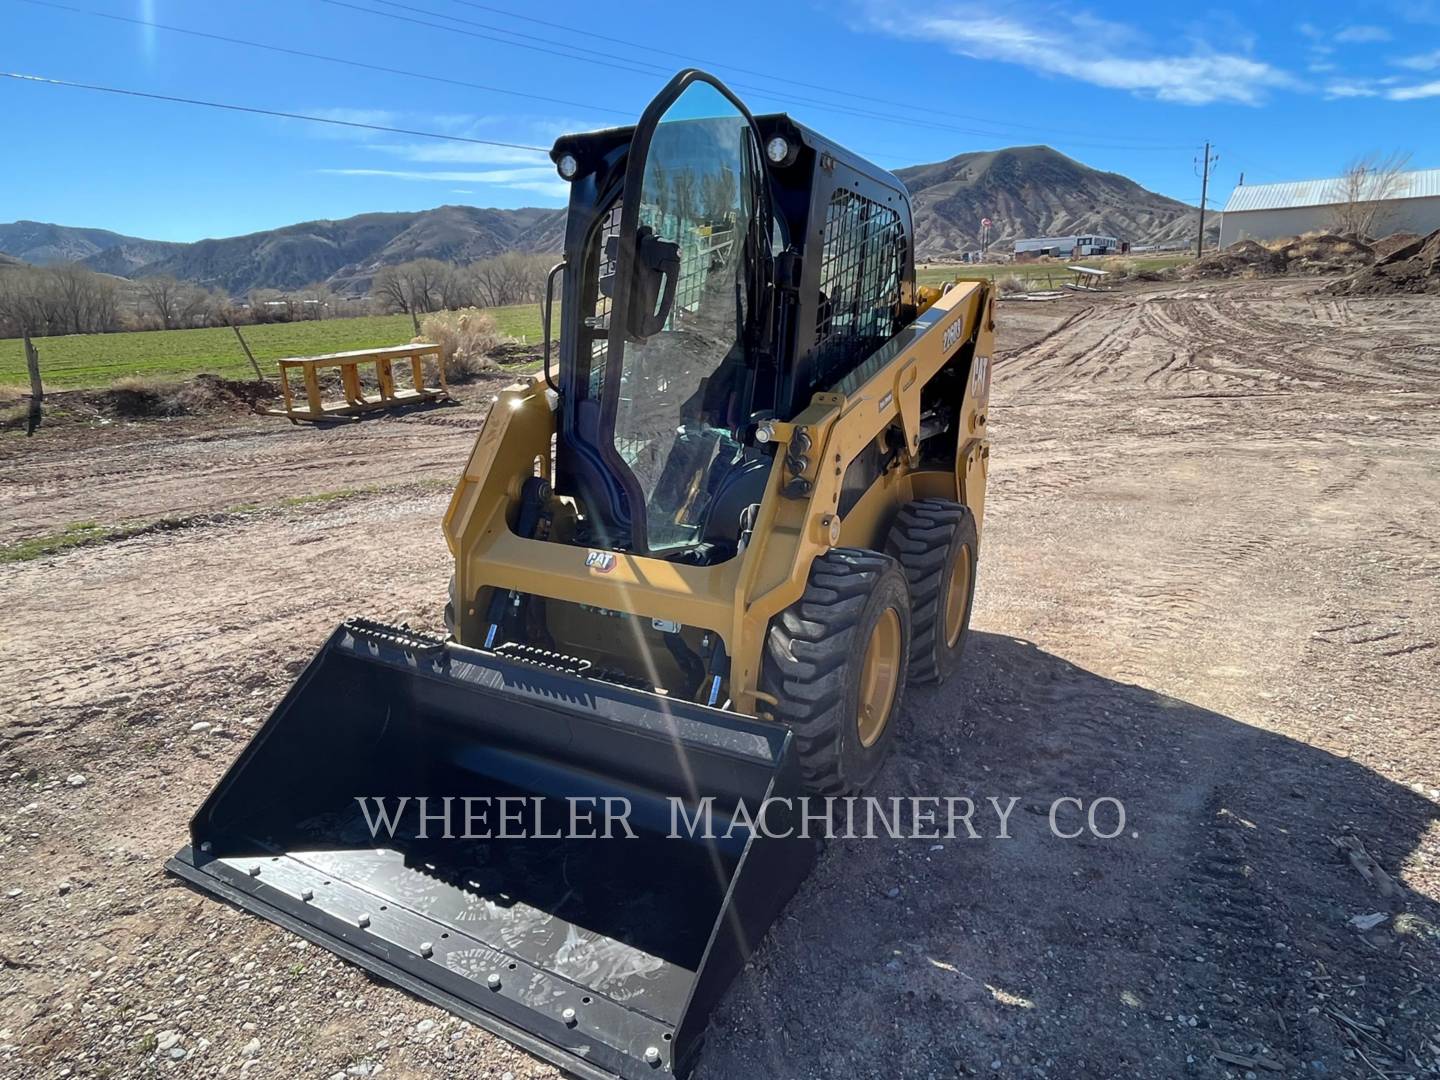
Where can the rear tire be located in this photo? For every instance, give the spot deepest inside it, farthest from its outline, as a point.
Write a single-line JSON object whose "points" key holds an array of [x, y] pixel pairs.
{"points": [[936, 543], [836, 662]]}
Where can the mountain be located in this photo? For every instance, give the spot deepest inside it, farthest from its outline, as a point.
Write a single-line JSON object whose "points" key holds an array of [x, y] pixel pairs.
{"points": [[345, 254], [46, 245], [1033, 191], [1024, 190]]}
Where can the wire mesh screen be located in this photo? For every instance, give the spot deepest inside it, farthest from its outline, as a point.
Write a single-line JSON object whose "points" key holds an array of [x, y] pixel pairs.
{"points": [[860, 275], [597, 324], [700, 250]]}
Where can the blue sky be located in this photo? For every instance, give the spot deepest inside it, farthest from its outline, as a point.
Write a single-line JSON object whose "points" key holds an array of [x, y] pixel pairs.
{"points": [[1285, 92]]}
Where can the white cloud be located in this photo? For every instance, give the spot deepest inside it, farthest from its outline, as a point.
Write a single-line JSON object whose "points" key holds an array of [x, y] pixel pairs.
{"points": [[1350, 88], [1361, 35], [1414, 93], [1428, 61], [1058, 41], [452, 153]]}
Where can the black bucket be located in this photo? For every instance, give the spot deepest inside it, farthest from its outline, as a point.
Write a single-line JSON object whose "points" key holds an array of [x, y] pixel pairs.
{"points": [[600, 944]]}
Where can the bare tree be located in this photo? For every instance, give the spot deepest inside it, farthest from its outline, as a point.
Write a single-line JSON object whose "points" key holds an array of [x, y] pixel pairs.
{"points": [[201, 307], [83, 302], [315, 300], [511, 278], [58, 300], [1363, 190], [424, 285], [163, 294], [390, 290]]}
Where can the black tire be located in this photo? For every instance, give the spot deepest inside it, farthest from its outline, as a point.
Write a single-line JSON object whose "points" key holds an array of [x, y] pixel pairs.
{"points": [[929, 538], [815, 660]]}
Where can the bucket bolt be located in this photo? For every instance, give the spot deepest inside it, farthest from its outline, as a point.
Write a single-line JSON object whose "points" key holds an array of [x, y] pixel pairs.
{"points": [[652, 1055], [493, 981], [308, 895], [569, 1017], [254, 871], [363, 921], [427, 949]]}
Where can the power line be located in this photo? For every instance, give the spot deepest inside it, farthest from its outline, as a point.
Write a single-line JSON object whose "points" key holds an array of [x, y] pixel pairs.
{"points": [[337, 59], [321, 56], [602, 59], [45, 81], [653, 68], [907, 105]]}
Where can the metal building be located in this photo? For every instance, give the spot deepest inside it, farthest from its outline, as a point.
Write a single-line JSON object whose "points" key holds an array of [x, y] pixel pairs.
{"points": [[1066, 247], [1267, 211]]}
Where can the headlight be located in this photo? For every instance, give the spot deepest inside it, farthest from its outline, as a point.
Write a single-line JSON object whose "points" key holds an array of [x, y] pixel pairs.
{"points": [[568, 166], [777, 150]]}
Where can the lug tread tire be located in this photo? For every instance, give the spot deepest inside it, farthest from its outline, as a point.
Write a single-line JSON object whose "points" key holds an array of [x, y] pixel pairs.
{"points": [[811, 660], [922, 540]]}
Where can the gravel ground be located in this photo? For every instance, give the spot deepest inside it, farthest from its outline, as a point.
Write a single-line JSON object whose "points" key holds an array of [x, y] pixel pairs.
{"points": [[1207, 590]]}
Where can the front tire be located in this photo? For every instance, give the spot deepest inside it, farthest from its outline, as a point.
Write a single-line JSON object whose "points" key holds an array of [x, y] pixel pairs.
{"points": [[936, 542], [836, 662]]}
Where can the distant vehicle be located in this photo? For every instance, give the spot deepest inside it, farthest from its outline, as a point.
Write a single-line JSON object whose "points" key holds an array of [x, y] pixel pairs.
{"points": [[1068, 247]]}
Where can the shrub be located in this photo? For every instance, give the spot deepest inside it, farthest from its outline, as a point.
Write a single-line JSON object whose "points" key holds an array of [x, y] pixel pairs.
{"points": [[1012, 283], [466, 338]]}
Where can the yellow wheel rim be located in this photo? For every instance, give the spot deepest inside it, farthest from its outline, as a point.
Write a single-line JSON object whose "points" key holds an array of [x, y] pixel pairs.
{"points": [[957, 597], [879, 677]]}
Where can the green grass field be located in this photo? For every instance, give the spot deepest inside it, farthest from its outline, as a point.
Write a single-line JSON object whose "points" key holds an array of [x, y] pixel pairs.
{"points": [[1043, 274], [95, 360]]}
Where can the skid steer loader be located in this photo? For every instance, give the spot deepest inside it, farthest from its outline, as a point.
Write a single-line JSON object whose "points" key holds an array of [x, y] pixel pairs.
{"points": [[696, 560]]}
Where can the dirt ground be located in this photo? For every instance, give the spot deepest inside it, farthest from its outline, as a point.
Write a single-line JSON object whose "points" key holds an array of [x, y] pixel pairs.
{"points": [[1208, 590]]}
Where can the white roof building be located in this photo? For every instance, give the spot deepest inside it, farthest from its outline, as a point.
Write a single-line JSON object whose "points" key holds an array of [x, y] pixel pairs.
{"points": [[1409, 203]]}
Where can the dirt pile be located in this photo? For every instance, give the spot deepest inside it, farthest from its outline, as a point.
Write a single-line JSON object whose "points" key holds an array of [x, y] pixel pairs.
{"points": [[1243, 259], [1326, 254], [1410, 268], [1387, 246], [135, 398], [1321, 254]]}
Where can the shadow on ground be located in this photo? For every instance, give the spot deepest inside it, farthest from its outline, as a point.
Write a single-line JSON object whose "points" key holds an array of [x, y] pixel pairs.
{"points": [[1217, 922]]}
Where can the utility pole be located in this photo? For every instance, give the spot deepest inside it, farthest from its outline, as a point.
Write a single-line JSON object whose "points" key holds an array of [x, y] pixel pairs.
{"points": [[1203, 165]]}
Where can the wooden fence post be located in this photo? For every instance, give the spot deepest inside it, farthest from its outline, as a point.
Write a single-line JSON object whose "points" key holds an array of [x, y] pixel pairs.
{"points": [[248, 354], [37, 389], [32, 362]]}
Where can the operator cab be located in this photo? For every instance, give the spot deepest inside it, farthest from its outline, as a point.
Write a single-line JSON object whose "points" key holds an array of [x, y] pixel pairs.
{"points": [[691, 240]]}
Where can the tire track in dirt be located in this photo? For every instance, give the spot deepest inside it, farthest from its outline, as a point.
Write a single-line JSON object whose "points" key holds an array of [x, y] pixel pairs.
{"points": [[1279, 535], [188, 607], [131, 479]]}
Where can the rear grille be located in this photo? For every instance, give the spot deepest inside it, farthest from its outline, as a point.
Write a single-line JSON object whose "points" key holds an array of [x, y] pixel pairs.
{"points": [[860, 280]]}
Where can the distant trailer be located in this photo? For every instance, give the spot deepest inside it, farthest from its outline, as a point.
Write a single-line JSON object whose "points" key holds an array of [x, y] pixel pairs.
{"points": [[1067, 247]]}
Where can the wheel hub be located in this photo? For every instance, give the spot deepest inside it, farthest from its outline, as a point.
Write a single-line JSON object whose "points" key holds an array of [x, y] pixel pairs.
{"points": [[879, 677], [957, 597]]}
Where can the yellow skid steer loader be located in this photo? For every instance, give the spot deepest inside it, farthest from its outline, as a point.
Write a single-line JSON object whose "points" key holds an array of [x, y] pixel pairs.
{"points": [[696, 560]]}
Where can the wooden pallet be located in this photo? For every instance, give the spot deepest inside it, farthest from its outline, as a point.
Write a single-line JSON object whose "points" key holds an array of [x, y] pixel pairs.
{"points": [[312, 407]]}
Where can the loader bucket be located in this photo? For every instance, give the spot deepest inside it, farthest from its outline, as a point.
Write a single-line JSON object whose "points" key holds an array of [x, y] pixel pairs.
{"points": [[603, 955]]}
